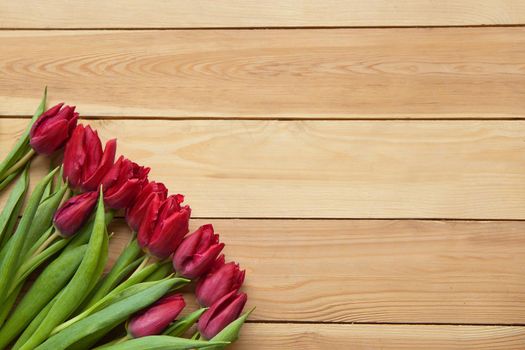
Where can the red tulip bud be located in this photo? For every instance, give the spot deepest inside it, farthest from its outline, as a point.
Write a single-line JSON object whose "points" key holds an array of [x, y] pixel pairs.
{"points": [[197, 253], [85, 164], [164, 226], [221, 313], [136, 212], [52, 129], [157, 317], [123, 182], [70, 217], [221, 280]]}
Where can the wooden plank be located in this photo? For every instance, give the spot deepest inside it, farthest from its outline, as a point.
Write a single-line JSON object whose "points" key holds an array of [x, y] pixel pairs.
{"points": [[343, 73], [385, 337], [375, 271], [294, 13], [319, 169]]}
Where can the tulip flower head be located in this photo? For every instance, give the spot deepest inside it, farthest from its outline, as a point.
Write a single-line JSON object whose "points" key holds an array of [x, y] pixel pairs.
{"points": [[70, 217], [52, 129], [123, 183], [222, 279], [164, 226], [197, 253], [85, 164], [223, 312], [157, 317], [135, 214]]}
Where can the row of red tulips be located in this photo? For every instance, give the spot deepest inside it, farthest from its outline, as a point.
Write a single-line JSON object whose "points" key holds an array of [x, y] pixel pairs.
{"points": [[160, 222]]}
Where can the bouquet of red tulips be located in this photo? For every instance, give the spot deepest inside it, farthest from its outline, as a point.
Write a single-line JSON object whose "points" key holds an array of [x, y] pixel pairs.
{"points": [[61, 240]]}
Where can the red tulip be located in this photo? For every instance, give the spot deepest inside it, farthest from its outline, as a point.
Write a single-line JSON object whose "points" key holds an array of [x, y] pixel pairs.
{"points": [[157, 317], [123, 182], [52, 129], [70, 217], [221, 313], [164, 226], [85, 165], [221, 280], [136, 212], [197, 253]]}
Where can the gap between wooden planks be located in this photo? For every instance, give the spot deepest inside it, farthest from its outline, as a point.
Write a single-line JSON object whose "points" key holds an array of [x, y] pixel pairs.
{"points": [[339, 73], [390, 271], [252, 13], [327, 169], [385, 337]]}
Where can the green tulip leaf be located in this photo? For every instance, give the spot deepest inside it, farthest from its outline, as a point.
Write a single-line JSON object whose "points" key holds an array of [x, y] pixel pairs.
{"points": [[9, 215], [43, 220], [124, 265], [78, 288], [163, 342], [117, 312], [161, 272], [54, 277], [11, 256], [178, 328]]}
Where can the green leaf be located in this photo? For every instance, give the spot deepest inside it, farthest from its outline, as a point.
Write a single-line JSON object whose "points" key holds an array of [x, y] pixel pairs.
{"points": [[78, 288], [34, 262], [136, 277], [8, 304], [105, 302], [163, 342], [161, 272], [35, 323], [120, 269], [178, 328], [7, 180], [118, 311], [89, 341], [9, 215], [11, 255], [22, 145], [54, 277], [43, 220], [47, 191]]}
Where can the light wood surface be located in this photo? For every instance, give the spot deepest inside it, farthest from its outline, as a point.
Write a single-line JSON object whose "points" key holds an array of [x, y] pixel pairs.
{"points": [[253, 13], [385, 337], [376, 270], [339, 73], [335, 169], [281, 121]]}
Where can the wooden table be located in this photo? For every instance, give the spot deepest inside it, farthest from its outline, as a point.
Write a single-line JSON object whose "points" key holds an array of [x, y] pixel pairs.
{"points": [[363, 160]]}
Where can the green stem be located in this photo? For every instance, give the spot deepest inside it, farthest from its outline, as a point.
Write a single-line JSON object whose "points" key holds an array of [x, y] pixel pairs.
{"points": [[21, 162], [196, 336], [6, 181], [142, 265], [46, 243], [121, 340]]}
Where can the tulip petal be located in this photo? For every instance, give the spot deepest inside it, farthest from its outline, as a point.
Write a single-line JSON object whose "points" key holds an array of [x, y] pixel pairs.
{"points": [[74, 213], [92, 182], [221, 314], [220, 281], [157, 317], [74, 157]]}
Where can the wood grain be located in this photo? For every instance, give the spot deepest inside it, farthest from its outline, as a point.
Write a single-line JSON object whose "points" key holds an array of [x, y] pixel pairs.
{"points": [[340, 73], [337, 169], [251, 13], [375, 271], [385, 337]]}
